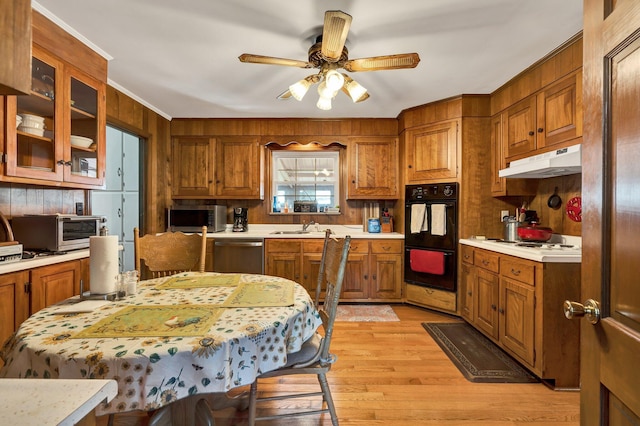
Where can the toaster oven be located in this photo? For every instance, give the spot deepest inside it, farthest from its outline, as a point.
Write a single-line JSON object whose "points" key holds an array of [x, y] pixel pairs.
{"points": [[55, 232]]}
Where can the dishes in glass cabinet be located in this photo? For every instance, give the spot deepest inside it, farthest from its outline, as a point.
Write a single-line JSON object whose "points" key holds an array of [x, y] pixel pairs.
{"points": [[81, 141]]}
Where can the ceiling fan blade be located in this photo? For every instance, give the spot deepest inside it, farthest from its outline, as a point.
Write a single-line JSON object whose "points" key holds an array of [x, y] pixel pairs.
{"points": [[285, 95], [334, 34], [377, 63], [270, 60]]}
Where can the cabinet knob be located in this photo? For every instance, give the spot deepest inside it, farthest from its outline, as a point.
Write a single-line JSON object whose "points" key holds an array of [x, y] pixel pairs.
{"points": [[494, 307], [409, 166], [469, 294], [305, 276], [501, 310], [374, 277], [531, 133], [60, 162], [540, 130], [366, 277]]}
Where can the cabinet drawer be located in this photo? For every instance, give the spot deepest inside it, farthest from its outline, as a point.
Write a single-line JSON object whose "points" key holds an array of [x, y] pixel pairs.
{"points": [[359, 246], [426, 296], [283, 246], [313, 246], [487, 260], [518, 270], [467, 254], [386, 246]]}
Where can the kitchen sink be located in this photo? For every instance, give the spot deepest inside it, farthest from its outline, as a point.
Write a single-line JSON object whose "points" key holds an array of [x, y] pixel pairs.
{"points": [[291, 232]]}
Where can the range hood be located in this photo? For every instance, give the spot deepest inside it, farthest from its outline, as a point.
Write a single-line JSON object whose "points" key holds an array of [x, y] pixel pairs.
{"points": [[561, 162]]}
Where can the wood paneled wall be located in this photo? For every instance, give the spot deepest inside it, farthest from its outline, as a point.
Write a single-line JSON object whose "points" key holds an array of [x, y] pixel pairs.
{"points": [[283, 131]]}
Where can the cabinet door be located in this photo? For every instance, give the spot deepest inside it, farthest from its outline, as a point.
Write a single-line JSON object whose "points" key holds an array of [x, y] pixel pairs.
{"points": [[54, 283], [85, 108], [467, 279], [15, 48], [14, 302], [502, 186], [356, 277], [520, 128], [310, 271], [239, 168], [372, 168], [432, 152], [559, 112], [486, 298], [35, 149], [285, 265], [386, 276], [193, 160], [516, 324]]}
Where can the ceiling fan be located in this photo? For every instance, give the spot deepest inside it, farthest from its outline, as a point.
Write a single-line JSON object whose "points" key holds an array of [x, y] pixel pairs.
{"points": [[329, 54]]}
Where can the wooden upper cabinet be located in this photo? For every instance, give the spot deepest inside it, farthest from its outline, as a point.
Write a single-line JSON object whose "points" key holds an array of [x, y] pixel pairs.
{"points": [[217, 167], [192, 173], [372, 168], [72, 106], [239, 165], [15, 47], [559, 110], [503, 186], [520, 128], [432, 152], [550, 118]]}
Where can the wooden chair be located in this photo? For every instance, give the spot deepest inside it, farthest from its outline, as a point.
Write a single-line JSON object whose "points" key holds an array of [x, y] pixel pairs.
{"points": [[314, 357], [169, 253]]}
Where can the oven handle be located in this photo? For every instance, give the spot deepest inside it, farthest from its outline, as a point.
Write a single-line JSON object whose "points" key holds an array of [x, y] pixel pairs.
{"points": [[82, 218]]}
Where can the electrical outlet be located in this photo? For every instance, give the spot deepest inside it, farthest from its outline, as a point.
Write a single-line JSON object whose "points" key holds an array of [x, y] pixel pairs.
{"points": [[503, 213]]}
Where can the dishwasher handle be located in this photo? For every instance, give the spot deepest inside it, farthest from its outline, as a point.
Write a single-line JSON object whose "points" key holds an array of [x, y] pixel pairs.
{"points": [[239, 243]]}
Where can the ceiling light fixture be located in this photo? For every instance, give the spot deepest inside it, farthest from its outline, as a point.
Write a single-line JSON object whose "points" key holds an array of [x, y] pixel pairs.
{"points": [[331, 82]]}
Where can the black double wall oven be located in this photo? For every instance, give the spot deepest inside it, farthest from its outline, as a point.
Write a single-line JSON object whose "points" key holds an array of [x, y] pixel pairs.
{"points": [[431, 235]]}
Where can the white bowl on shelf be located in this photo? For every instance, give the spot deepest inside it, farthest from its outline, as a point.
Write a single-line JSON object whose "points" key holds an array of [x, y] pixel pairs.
{"points": [[31, 130], [81, 141], [33, 121]]}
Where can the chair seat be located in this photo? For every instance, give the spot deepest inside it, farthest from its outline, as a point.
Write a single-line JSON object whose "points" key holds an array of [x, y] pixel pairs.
{"points": [[308, 351]]}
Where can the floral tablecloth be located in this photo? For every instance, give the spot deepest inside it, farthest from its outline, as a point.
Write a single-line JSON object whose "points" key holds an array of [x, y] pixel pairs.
{"points": [[153, 371]]}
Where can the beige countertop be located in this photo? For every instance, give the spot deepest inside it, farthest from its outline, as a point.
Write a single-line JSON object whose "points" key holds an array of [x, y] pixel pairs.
{"points": [[52, 401], [268, 231]]}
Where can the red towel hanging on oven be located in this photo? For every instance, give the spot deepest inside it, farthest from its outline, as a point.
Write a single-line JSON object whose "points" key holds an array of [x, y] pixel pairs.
{"points": [[427, 261]]}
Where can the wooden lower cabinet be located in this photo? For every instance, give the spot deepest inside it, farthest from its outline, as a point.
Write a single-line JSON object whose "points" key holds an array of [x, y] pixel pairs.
{"points": [[54, 283], [14, 302], [373, 271], [517, 303], [23, 293]]}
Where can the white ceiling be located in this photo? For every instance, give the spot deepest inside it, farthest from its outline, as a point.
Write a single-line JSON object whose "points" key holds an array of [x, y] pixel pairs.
{"points": [[180, 58]]}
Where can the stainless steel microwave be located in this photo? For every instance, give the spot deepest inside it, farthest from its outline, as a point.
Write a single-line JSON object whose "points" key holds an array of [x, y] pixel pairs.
{"points": [[193, 218], [55, 232]]}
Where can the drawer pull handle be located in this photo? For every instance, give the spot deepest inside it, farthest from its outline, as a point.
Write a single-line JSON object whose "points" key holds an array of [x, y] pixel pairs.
{"points": [[515, 272], [466, 256], [485, 262]]}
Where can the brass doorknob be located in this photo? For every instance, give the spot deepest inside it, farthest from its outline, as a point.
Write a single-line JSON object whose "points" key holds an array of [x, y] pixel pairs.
{"points": [[590, 310]]}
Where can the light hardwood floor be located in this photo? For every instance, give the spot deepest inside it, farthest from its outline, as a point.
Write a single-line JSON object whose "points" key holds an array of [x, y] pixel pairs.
{"points": [[393, 373]]}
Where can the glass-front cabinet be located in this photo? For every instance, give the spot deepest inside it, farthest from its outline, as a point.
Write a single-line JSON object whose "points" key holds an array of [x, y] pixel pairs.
{"points": [[59, 128]]}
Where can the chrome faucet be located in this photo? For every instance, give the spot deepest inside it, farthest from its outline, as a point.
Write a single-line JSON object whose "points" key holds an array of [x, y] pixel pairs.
{"points": [[306, 225]]}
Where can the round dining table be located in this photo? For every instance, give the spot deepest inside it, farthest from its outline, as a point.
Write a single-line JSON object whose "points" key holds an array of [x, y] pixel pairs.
{"points": [[176, 337]]}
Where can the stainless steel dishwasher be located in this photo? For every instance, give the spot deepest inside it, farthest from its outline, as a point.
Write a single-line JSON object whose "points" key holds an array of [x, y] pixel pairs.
{"points": [[239, 255]]}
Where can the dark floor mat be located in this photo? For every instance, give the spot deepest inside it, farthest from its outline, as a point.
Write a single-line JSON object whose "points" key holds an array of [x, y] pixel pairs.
{"points": [[477, 358]]}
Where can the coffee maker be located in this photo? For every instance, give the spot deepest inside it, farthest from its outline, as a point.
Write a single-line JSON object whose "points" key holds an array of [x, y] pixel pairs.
{"points": [[240, 222]]}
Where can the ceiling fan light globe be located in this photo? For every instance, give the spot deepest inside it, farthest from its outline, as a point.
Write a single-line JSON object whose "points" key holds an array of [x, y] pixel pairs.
{"points": [[356, 91], [334, 80], [325, 92], [299, 89], [324, 103]]}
